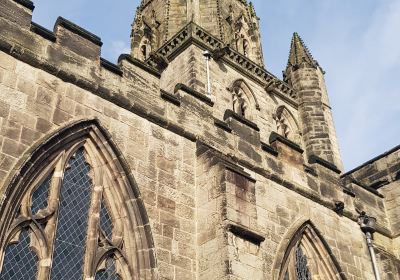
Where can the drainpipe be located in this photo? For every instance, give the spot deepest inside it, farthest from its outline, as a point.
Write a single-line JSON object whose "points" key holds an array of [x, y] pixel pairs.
{"points": [[368, 227], [207, 56]]}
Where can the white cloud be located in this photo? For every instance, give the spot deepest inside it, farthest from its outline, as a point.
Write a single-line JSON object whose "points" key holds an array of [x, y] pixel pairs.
{"points": [[363, 69]]}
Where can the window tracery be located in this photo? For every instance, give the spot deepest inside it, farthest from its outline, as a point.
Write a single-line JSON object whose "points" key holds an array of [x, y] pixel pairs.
{"points": [[72, 220], [243, 100], [302, 270], [308, 258], [286, 125], [20, 261]]}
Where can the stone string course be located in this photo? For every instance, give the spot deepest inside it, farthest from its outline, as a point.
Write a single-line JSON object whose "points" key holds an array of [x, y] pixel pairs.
{"points": [[199, 175]]}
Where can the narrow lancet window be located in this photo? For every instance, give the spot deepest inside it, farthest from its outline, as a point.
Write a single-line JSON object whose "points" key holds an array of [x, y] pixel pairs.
{"points": [[106, 224], [20, 262], [302, 271], [72, 224], [41, 195], [109, 272]]}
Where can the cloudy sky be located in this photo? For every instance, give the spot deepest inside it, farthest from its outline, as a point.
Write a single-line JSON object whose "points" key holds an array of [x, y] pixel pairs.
{"points": [[356, 42]]}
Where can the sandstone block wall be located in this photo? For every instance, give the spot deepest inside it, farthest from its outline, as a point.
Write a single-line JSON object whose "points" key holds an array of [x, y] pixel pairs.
{"points": [[221, 204]]}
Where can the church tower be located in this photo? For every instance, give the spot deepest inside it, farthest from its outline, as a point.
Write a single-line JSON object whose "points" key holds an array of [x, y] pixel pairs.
{"points": [[233, 22]]}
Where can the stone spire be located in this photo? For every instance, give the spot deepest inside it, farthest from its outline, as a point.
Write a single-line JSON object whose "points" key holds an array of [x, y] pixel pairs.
{"points": [[232, 21], [305, 75], [299, 53]]}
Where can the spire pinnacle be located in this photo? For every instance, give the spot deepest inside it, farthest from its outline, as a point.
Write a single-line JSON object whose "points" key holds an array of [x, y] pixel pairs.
{"points": [[299, 53]]}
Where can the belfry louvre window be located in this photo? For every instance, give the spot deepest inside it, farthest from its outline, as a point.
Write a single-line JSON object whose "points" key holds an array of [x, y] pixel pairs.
{"points": [[72, 221]]}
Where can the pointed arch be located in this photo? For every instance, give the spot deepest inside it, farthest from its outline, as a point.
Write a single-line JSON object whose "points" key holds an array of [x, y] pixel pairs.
{"points": [[131, 244], [304, 241], [286, 125], [244, 101]]}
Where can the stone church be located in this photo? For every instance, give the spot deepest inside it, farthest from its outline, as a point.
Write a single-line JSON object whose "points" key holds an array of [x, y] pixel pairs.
{"points": [[185, 160]]}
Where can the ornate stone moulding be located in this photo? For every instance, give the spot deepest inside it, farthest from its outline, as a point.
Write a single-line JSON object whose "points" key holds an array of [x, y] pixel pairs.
{"points": [[194, 34]]}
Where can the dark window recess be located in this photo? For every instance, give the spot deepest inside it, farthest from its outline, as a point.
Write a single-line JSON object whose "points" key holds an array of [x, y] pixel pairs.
{"points": [[302, 271], [109, 273], [20, 262], [41, 195], [70, 239]]}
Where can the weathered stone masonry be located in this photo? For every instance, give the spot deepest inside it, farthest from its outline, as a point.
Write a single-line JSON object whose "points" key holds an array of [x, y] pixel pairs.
{"points": [[220, 187]]}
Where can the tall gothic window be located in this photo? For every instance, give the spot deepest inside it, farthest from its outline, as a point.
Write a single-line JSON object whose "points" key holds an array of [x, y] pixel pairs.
{"points": [[72, 220], [308, 258]]}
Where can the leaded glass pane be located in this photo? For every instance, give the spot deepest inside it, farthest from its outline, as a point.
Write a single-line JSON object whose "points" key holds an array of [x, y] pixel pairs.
{"points": [[302, 271], [40, 195], [20, 262], [105, 221], [109, 273], [70, 239], [286, 276]]}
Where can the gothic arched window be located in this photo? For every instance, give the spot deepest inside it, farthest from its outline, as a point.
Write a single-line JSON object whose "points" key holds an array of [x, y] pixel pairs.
{"points": [[286, 125], [308, 258], [75, 215], [243, 100]]}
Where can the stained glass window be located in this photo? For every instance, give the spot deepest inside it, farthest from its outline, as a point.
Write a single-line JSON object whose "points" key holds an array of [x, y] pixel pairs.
{"points": [[105, 221], [72, 223], [70, 196], [302, 271], [20, 262], [286, 276], [40, 195], [109, 273]]}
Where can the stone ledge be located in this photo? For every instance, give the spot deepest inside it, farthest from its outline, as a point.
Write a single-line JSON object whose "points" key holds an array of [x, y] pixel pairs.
{"points": [[79, 31], [111, 66], [238, 170], [26, 3], [139, 64], [223, 125], [246, 234], [44, 32], [276, 137], [230, 114], [310, 170], [194, 93], [267, 148], [313, 159], [359, 184], [349, 191], [170, 97]]}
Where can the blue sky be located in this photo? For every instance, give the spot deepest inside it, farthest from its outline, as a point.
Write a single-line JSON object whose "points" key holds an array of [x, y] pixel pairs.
{"points": [[356, 42]]}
